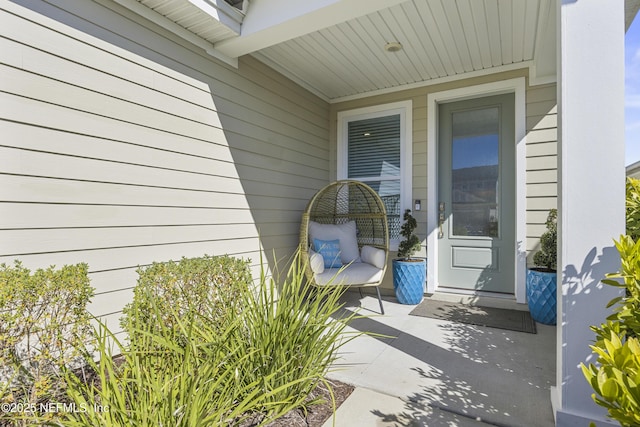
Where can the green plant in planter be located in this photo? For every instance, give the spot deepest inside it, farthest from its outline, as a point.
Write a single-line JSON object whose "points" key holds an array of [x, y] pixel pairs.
{"points": [[542, 280], [411, 243], [547, 256], [409, 274]]}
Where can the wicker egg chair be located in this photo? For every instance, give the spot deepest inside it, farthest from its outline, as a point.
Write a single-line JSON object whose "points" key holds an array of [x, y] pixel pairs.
{"points": [[339, 203]]}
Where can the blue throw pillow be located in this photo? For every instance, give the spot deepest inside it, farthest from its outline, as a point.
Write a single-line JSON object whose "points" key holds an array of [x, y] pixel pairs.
{"points": [[330, 251]]}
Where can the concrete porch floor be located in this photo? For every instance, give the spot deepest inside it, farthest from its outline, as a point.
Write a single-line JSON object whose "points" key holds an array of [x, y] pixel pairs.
{"points": [[438, 373]]}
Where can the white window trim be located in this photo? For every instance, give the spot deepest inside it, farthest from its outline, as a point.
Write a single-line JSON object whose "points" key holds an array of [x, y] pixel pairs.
{"points": [[405, 110]]}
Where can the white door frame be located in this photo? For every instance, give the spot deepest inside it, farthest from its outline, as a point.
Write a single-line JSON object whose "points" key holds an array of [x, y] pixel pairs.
{"points": [[517, 87]]}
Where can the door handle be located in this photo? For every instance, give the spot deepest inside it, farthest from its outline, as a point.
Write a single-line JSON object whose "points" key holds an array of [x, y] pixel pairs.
{"points": [[441, 208]]}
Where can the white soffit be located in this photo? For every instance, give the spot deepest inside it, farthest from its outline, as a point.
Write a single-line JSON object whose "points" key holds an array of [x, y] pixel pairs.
{"points": [[335, 48], [441, 41]]}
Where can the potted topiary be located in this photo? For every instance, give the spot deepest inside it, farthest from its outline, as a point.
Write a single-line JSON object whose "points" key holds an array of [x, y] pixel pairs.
{"points": [[409, 274], [542, 279]]}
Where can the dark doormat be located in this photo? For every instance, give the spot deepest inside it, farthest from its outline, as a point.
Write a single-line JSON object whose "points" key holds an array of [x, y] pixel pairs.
{"points": [[513, 320]]}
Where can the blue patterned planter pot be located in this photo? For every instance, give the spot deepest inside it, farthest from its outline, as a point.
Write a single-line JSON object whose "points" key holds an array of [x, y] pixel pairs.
{"points": [[408, 280], [541, 296]]}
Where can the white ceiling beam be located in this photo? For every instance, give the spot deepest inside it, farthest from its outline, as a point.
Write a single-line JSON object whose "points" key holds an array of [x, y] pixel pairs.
{"points": [[269, 22], [544, 67]]}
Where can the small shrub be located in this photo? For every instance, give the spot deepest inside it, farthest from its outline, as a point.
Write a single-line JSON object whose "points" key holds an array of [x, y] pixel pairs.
{"points": [[547, 256], [411, 243], [633, 208], [43, 322], [615, 377], [626, 308], [182, 289], [616, 380]]}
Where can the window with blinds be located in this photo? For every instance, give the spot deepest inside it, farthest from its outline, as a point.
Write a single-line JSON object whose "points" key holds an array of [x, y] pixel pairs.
{"points": [[373, 157]]}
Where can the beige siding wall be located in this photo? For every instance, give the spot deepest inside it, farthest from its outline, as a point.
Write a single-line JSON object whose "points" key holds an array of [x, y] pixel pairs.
{"points": [[542, 161], [541, 148], [122, 145]]}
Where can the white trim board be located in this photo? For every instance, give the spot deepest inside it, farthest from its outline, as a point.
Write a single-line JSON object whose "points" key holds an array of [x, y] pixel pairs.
{"points": [[517, 87]]}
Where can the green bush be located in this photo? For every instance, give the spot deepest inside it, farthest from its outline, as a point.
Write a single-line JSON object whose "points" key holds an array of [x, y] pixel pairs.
{"points": [[181, 290], [633, 208], [199, 361], [616, 377], [411, 243], [616, 380], [43, 323], [626, 308], [547, 256]]}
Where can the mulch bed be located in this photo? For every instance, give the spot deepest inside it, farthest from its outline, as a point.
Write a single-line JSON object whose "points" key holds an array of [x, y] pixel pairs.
{"points": [[317, 415]]}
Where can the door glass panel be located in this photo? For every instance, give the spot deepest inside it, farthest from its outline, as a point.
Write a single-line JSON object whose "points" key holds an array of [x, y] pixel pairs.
{"points": [[475, 178]]}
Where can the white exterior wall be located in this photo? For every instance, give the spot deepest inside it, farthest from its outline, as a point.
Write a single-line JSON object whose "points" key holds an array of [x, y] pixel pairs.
{"points": [[123, 145], [591, 202]]}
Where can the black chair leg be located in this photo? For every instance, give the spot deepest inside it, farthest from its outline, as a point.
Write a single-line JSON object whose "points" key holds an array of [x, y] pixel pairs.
{"points": [[379, 300]]}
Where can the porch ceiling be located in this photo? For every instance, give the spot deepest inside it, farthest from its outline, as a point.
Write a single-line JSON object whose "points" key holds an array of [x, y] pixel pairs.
{"points": [[439, 38], [335, 48]]}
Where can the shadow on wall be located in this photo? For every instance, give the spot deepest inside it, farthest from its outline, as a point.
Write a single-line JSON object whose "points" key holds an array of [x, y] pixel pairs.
{"points": [[578, 285], [278, 135], [265, 138]]}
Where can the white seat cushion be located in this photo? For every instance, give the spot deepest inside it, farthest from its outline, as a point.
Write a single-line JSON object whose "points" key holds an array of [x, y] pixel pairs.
{"points": [[355, 274], [373, 256], [346, 233]]}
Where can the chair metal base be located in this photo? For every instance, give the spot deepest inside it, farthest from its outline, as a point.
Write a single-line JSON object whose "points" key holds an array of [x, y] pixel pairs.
{"points": [[379, 298]]}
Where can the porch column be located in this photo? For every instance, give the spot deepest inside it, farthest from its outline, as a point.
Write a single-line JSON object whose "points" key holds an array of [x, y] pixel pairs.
{"points": [[591, 189]]}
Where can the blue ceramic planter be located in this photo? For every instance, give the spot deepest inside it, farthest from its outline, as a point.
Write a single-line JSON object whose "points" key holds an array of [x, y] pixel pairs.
{"points": [[408, 280], [541, 296]]}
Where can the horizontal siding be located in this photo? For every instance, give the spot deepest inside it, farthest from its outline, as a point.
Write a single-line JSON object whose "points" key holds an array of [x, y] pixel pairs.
{"points": [[542, 162], [123, 145], [119, 258]]}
